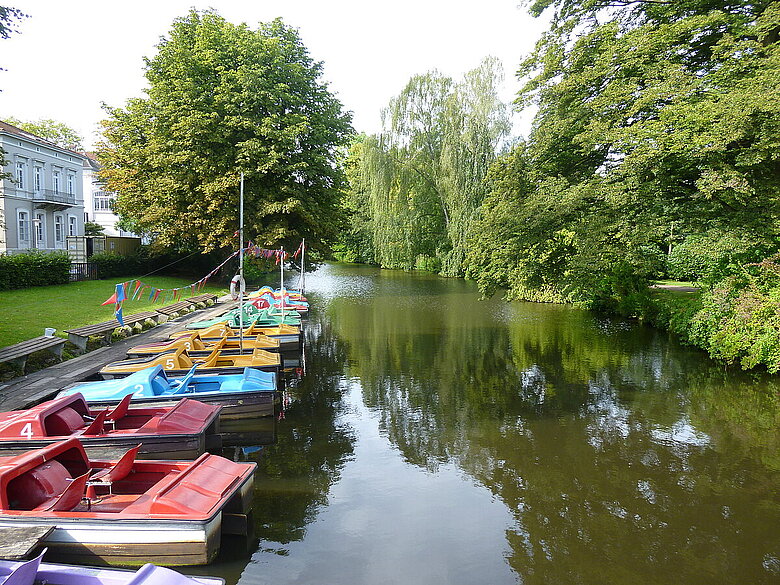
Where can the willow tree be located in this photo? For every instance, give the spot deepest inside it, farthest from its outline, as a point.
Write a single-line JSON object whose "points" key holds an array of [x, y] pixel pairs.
{"points": [[225, 99], [424, 172]]}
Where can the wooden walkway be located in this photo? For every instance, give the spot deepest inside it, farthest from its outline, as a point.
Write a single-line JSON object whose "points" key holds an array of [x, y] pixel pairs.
{"points": [[32, 389]]}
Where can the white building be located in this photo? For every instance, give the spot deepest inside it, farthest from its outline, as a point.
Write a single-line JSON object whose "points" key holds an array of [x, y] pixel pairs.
{"points": [[41, 204], [98, 203]]}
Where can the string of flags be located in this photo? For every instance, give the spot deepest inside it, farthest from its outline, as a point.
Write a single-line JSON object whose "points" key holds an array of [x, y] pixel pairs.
{"points": [[135, 290]]}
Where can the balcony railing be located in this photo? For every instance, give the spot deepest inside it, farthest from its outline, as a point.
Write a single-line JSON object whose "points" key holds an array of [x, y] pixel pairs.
{"points": [[42, 195], [49, 196]]}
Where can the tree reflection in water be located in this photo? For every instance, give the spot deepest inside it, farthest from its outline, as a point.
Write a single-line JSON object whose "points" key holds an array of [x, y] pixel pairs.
{"points": [[621, 455]]}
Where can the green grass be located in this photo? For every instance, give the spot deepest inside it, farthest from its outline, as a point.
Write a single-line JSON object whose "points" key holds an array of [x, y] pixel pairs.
{"points": [[25, 313], [674, 283]]}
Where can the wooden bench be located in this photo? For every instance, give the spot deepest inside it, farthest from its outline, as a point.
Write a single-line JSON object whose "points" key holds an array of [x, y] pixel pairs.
{"points": [[80, 335], [175, 309], [18, 353], [202, 298]]}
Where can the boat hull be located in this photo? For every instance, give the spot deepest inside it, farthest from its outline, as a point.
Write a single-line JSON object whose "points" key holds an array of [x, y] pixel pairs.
{"points": [[235, 405], [178, 447], [135, 542], [221, 371]]}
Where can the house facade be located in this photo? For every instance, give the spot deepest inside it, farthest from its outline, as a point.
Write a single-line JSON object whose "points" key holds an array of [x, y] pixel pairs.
{"points": [[99, 203], [41, 202]]}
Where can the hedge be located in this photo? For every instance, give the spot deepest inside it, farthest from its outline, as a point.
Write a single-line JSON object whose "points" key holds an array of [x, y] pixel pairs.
{"points": [[35, 268]]}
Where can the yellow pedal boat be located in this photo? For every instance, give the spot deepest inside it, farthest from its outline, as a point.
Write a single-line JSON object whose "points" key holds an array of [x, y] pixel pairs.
{"points": [[195, 346], [179, 363]]}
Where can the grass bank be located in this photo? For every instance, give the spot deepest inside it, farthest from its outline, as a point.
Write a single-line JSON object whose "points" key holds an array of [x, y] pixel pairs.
{"points": [[26, 312]]}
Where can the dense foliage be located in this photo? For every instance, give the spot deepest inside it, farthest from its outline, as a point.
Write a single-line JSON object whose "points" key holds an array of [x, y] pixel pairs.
{"points": [[34, 268], [416, 187], [658, 127], [57, 132], [225, 99], [736, 320]]}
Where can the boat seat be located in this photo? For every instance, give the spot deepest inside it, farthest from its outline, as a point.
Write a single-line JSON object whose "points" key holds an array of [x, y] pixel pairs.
{"points": [[68, 499], [121, 409], [180, 386], [120, 470], [97, 426], [25, 573]]}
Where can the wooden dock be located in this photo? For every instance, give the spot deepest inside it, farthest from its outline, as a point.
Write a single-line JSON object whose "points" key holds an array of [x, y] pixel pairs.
{"points": [[18, 543], [32, 389]]}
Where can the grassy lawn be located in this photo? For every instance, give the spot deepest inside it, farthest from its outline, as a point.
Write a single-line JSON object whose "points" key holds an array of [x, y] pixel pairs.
{"points": [[673, 283], [25, 313]]}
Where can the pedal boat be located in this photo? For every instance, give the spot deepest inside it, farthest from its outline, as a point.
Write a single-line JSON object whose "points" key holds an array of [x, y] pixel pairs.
{"points": [[179, 363], [291, 295], [35, 572], [252, 316], [180, 431], [197, 347], [125, 512], [250, 394], [289, 336]]}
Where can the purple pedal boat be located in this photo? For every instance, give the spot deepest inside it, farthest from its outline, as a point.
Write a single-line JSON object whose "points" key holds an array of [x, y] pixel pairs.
{"points": [[34, 572]]}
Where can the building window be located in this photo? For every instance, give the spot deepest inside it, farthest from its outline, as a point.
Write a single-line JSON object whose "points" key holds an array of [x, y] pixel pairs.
{"points": [[40, 229], [72, 225], [21, 170], [71, 184], [102, 201], [38, 179], [59, 230], [23, 231], [55, 181]]}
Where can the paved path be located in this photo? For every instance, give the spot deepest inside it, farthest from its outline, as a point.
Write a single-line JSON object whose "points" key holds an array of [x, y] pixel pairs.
{"points": [[32, 389]]}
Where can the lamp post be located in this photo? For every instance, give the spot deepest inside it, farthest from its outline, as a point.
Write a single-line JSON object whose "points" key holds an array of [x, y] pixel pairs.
{"points": [[36, 222]]}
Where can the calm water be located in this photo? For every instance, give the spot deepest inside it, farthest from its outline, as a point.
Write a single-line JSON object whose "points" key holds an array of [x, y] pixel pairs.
{"points": [[437, 439]]}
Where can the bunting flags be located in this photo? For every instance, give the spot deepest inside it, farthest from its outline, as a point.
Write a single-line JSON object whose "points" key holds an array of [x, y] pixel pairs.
{"points": [[136, 289]]}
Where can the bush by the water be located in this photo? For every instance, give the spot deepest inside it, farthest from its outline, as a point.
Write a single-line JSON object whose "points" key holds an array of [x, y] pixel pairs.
{"points": [[737, 320], [35, 268]]}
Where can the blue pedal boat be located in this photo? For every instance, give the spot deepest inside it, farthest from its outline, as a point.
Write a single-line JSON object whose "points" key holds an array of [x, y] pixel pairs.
{"points": [[250, 394]]}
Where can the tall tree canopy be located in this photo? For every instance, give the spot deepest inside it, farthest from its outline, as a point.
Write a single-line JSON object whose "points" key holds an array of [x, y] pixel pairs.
{"points": [[656, 120], [225, 99], [421, 181], [57, 132]]}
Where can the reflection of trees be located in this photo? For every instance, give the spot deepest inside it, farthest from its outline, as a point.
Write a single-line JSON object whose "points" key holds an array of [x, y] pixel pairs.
{"points": [[621, 455], [294, 475]]}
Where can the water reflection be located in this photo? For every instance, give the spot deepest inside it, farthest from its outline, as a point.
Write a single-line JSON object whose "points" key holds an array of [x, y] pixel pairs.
{"points": [[437, 439], [620, 454]]}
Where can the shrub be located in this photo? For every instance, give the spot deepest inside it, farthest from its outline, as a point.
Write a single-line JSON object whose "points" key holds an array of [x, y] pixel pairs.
{"points": [[111, 264], [737, 320], [711, 256], [35, 268]]}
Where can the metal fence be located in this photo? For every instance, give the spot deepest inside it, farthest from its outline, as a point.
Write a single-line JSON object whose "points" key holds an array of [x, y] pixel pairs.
{"points": [[83, 271]]}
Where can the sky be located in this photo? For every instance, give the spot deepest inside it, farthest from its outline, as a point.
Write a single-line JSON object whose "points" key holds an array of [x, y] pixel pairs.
{"points": [[70, 57]]}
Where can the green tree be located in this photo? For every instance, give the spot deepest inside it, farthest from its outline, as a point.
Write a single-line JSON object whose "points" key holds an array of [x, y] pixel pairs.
{"points": [[57, 132], [423, 175], [225, 99], [653, 117]]}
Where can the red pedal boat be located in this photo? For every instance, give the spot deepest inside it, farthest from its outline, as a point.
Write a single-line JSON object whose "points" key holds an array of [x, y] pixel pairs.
{"points": [[125, 512], [182, 431]]}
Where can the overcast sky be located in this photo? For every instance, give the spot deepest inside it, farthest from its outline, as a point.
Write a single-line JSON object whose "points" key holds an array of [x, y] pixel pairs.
{"points": [[69, 57]]}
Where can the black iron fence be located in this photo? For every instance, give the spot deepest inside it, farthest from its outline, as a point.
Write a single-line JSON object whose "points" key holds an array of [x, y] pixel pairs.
{"points": [[83, 271]]}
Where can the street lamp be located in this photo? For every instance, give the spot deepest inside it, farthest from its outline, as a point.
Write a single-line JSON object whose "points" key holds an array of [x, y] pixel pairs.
{"points": [[36, 222]]}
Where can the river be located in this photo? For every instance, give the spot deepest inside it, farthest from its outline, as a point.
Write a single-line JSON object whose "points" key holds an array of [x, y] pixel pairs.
{"points": [[438, 439]]}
